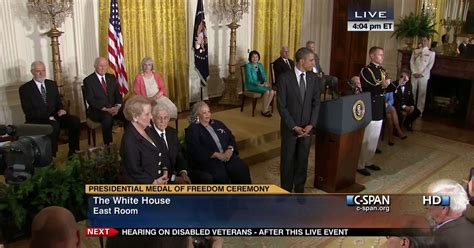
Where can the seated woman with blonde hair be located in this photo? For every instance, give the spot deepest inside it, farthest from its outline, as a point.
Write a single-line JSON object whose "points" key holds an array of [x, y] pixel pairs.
{"points": [[149, 84]]}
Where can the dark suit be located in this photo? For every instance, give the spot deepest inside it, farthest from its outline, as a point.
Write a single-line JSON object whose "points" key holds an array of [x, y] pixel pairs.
{"points": [[142, 162], [405, 97], [295, 112], [456, 234], [37, 112], [463, 48], [178, 162], [97, 99], [201, 146], [279, 66]]}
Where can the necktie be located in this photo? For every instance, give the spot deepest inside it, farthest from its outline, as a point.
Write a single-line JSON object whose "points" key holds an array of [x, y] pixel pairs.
{"points": [[288, 63], [162, 135], [104, 85], [302, 86], [43, 93]]}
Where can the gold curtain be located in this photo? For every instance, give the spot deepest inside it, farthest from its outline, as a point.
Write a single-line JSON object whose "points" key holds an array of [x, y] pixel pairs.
{"points": [[276, 23], [156, 29]]}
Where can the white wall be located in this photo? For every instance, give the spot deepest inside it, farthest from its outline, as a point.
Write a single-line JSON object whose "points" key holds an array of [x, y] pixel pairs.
{"points": [[23, 41], [219, 38]]}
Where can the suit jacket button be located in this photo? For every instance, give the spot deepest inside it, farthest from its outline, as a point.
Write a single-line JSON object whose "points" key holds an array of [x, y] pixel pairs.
{"points": [[159, 154]]}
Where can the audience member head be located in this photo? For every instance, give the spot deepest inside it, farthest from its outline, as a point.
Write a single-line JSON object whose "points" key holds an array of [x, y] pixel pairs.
{"points": [[200, 113], [284, 52], [405, 75], [254, 57], [457, 204], [465, 40], [304, 59], [311, 45], [38, 70], [138, 111], [101, 66], [356, 81], [161, 116], [376, 55], [147, 64], [425, 41], [54, 227]]}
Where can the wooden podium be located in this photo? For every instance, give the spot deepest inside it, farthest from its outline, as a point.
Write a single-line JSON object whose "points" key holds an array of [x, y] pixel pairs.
{"points": [[339, 134]]}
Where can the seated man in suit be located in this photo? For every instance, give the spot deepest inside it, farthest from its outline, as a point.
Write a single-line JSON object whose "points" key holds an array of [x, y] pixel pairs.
{"points": [[282, 63], [103, 97], [327, 81], [159, 131], [405, 101], [41, 104], [452, 228]]}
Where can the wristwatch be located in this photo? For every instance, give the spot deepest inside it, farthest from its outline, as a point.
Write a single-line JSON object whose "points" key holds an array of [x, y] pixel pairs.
{"points": [[231, 148]]}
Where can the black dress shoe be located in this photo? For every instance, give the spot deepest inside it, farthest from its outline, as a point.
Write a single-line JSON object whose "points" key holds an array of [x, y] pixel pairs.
{"points": [[378, 151], [373, 167], [391, 143], [266, 114], [364, 172]]}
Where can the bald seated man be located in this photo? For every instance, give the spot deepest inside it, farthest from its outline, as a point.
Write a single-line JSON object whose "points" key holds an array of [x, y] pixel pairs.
{"points": [[54, 227]]}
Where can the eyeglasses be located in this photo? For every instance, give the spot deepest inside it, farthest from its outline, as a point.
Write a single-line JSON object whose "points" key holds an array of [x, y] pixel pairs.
{"points": [[161, 118]]}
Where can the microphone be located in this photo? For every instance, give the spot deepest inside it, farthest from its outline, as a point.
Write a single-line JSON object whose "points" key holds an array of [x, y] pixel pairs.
{"points": [[26, 129]]}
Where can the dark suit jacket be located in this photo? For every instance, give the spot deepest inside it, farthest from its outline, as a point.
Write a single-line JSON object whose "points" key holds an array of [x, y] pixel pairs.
{"points": [[403, 98], [175, 154], [35, 110], [293, 111], [279, 66], [201, 146], [141, 161], [457, 234], [368, 75], [95, 95]]}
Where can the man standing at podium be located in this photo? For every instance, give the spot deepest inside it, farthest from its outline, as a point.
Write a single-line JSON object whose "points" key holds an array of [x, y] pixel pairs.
{"points": [[298, 104], [374, 80]]}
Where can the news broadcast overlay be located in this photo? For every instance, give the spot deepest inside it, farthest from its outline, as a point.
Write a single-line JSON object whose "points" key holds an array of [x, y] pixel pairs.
{"points": [[249, 210], [367, 17]]}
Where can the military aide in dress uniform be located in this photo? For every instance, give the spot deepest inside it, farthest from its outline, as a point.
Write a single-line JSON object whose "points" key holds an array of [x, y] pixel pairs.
{"points": [[374, 79], [421, 62]]}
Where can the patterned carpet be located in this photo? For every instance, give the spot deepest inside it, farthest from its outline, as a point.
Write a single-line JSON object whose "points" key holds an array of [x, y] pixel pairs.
{"points": [[407, 167]]}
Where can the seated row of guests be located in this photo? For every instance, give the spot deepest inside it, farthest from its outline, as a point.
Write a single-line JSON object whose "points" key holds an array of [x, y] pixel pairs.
{"points": [[151, 152]]}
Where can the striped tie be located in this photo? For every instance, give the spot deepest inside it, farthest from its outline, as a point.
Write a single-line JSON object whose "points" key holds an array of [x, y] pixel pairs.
{"points": [[43, 93]]}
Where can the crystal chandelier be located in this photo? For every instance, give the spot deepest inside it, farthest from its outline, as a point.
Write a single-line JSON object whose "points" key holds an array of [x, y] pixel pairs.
{"points": [[51, 11], [230, 10]]}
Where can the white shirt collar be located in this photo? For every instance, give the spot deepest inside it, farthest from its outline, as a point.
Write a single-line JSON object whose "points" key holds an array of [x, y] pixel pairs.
{"points": [[100, 76], [158, 130]]}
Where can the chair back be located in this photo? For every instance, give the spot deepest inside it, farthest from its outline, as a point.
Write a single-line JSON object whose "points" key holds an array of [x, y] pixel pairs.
{"points": [[242, 76], [84, 101], [272, 75]]}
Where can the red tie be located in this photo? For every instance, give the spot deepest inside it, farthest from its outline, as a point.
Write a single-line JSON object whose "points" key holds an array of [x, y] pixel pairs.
{"points": [[104, 85]]}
